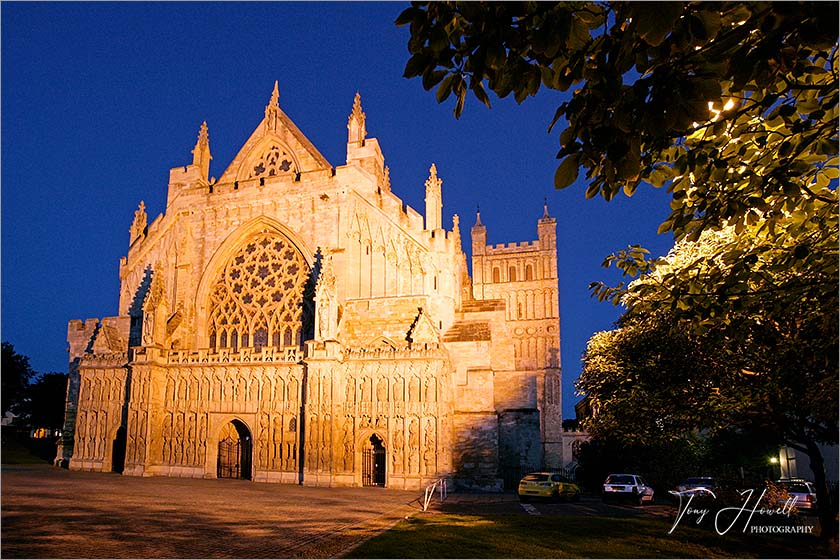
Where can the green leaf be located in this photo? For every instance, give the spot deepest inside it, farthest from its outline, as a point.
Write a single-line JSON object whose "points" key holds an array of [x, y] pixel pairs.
{"points": [[407, 16], [654, 20], [445, 87], [481, 94], [415, 65], [567, 172], [459, 104], [557, 114]]}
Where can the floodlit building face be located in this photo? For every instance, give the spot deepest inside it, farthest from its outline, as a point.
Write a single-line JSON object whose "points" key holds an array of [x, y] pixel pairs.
{"points": [[296, 322]]}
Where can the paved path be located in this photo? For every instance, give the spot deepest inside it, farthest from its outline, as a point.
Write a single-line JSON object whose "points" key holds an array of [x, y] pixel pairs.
{"points": [[49, 513]]}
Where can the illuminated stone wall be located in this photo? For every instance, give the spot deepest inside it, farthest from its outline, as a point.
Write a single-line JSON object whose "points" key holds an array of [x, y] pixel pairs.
{"points": [[306, 314]]}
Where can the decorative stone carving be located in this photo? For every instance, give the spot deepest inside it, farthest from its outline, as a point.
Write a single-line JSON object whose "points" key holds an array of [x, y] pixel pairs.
{"points": [[167, 439], [429, 451], [430, 390], [399, 443], [350, 391], [347, 441], [326, 314], [202, 439], [138, 226], [382, 389], [414, 446], [155, 310], [277, 440], [414, 389], [218, 324], [262, 441], [257, 299]]}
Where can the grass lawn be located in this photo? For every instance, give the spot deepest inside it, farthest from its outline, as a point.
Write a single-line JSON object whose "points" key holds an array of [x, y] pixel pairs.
{"points": [[20, 451], [518, 536]]}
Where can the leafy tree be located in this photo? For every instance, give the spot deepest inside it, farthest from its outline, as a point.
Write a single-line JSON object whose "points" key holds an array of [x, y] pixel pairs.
{"points": [[664, 464], [16, 373], [733, 105], [44, 406], [758, 359]]}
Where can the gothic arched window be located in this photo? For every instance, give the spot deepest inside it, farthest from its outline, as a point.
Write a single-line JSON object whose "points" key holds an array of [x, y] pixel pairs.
{"points": [[258, 295], [274, 161]]}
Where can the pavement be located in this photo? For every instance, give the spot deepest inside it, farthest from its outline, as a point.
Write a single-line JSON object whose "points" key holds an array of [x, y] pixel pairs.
{"points": [[55, 513]]}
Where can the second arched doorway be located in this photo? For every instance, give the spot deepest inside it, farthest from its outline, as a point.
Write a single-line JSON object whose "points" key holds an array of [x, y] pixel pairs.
{"points": [[234, 458], [373, 462]]}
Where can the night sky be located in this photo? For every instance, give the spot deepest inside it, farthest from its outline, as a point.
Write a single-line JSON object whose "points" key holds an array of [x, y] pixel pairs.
{"points": [[100, 100]]}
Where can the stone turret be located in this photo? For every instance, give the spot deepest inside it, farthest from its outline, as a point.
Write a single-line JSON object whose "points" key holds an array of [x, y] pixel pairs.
{"points": [[434, 204], [363, 151], [201, 152]]}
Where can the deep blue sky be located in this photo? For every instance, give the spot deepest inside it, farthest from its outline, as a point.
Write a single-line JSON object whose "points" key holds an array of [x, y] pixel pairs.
{"points": [[99, 100]]}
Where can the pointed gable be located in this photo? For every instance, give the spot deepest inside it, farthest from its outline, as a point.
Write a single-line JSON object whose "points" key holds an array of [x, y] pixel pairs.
{"points": [[422, 331], [276, 147]]}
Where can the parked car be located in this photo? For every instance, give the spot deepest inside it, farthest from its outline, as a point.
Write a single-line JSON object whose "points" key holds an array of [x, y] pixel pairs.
{"points": [[627, 487], [804, 492], [547, 485], [696, 486]]}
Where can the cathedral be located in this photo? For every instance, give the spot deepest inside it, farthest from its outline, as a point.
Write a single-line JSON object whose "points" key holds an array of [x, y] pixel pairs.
{"points": [[296, 322]]}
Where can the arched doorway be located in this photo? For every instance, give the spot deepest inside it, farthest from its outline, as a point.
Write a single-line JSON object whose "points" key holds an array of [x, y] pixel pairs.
{"points": [[234, 459], [373, 463]]}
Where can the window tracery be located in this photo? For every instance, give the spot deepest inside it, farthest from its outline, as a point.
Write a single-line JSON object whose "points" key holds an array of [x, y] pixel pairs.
{"points": [[275, 161], [258, 296]]}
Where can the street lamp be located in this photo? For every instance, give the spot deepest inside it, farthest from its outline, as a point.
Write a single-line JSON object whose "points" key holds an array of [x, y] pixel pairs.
{"points": [[773, 462]]}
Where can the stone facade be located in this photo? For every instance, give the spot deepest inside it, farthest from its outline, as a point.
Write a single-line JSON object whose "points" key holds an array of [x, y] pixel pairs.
{"points": [[297, 322]]}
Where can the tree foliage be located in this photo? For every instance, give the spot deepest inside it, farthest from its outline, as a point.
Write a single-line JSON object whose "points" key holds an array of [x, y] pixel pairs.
{"points": [[45, 400], [692, 354], [732, 105], [16, 373]]}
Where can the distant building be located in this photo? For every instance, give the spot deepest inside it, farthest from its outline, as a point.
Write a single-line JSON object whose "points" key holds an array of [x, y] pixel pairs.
{"points": [[296, 322], [796, 464]]}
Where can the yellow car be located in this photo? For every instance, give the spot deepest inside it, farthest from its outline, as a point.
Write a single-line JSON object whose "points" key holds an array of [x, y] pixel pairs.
{"points": [[547, 485]]}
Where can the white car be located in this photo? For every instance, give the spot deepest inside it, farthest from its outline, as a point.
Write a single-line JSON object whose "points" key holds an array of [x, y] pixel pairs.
{"points": [[627, 487], [802, 491]]}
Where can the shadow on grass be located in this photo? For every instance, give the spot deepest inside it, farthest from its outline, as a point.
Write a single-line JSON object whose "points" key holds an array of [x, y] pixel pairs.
{"points": [[517, 536]]}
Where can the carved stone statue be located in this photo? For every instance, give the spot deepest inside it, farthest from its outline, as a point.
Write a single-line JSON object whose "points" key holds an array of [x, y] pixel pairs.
{"points": [[167, 439], [429, 451], [382, 389], [347, 440], [154, 310], [350, 391], [326, 309], [414, 446], [399, 442], [277, 439]]}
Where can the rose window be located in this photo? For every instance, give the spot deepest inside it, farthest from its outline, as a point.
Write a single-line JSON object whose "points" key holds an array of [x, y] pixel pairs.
{"points": [[258, 298]]}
